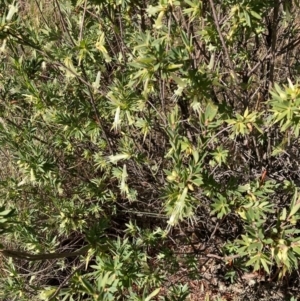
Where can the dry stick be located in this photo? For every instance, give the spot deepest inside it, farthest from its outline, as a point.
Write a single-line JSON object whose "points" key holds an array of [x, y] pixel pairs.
{"points": [[100, 20], [274, 40], [222, 39], [224, 258], [30, 274], [190, 32], [82, 22], [37, 4], [66, 280], [289, 46], [258, 63], [214, 231], [20, 128], [161, 117], [122, 34], [116, 35], [193, 36], [209, 255], [63, 23], [48, 256]]}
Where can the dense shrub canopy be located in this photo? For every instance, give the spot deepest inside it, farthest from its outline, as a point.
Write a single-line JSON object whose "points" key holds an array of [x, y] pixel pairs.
{"points": [[146, 145]]}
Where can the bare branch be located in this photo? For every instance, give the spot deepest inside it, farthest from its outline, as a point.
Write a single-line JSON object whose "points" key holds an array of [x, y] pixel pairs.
{"points": [[222, 39]]}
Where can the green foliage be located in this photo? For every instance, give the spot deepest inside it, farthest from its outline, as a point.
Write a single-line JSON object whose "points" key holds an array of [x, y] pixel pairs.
{"points": [[5, 219], [142, 139], [285, 107]]}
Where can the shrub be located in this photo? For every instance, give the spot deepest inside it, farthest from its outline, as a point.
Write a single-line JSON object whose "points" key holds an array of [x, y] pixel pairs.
{"points": [[139, 138]]}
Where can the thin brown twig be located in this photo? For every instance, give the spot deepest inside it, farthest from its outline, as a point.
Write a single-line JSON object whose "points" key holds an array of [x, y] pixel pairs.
{"points": [[38, 6], [82, 22], [66, 280], [289, 46], [122, 35], [259, 63], [223, 258], [222, 39], [274, 40], [47, 256], [63, 23]]}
